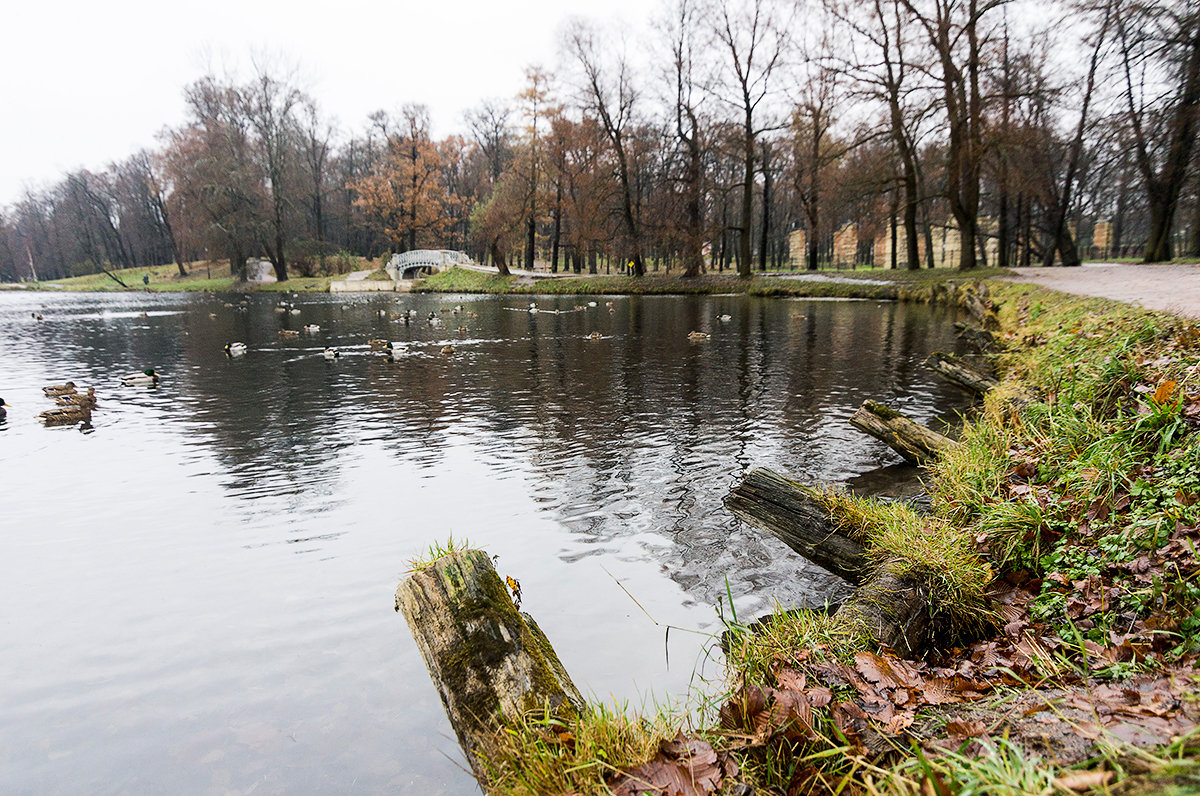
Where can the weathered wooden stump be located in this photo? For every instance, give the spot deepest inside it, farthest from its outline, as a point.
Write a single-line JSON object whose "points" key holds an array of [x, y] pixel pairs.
{"points": [[959, 373], [893, 606], [784, 509], [486, 659], [979, 338], [910, 439], [889, 603]]}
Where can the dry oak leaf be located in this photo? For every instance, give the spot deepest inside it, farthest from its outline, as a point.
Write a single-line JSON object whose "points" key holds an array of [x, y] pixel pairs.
{"points": [[684, 767]]}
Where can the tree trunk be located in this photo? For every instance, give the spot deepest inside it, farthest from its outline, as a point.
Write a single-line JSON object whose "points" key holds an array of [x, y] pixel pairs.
{"points": [[693, 242], [498, 257], [556, 239], [486, 659], [788, 512], [530, 241], [743, 250], [766, 211], [279, 263], [913, 441]]}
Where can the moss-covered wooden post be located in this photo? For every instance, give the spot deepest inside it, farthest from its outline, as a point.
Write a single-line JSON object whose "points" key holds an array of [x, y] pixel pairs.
{"points": [[486, 659], [781, 507], [960, 373], [911, 440]]}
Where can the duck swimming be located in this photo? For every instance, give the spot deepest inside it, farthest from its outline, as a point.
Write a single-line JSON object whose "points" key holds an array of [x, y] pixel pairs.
{"points": [[4, 409], [147, 378], [696, 337], [59, 389], [87, 399], [235, 349], [331, 354], [66, 415], [377, 343], [312, 328]]}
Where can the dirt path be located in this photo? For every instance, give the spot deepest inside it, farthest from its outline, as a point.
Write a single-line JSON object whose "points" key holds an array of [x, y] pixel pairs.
{"points": [[1169, 287]]}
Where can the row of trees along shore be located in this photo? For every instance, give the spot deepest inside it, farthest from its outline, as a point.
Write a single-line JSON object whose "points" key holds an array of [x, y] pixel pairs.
{"points": [[736, 135]]}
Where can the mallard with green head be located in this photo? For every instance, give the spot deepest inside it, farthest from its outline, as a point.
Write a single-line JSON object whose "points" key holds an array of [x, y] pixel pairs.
{"points": [[147, 378]]}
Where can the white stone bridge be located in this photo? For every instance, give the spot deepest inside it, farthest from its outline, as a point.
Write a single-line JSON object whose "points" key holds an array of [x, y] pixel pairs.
{"points": [[423, 262]]}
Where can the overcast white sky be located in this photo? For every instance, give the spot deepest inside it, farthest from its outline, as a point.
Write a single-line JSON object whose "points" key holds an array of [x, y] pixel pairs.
{"points": [[87, 82]]}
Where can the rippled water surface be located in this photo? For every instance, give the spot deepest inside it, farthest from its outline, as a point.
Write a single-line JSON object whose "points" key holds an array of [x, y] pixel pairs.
{"points": [[198, 590]]}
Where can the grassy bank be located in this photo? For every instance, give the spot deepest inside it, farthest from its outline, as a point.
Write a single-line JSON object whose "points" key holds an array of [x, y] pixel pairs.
{"points": [[866, 283], [207, 277], [1060, 561], [871, 283]]}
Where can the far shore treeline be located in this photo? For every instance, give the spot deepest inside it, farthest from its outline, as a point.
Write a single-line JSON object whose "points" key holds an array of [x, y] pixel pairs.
{"points": [[730, 135]]}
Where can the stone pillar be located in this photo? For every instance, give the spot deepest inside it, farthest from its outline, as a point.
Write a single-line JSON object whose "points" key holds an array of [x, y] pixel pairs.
{"points": [[797, 249], [883, 249], [845, 245], [1102, 239]]}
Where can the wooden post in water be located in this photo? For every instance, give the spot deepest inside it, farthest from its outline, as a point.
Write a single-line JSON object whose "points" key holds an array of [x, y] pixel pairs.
{"points": [[959, 373], [889, 603], [911, 440], [486, 659], [781, 507]]}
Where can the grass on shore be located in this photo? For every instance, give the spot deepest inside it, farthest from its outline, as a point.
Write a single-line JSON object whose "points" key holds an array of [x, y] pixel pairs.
{"points": [[871, 283], [1079, 481], [201, 277]]}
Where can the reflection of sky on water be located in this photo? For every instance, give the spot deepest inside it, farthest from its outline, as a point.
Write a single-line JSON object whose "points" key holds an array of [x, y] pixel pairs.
{"points": [[200, 590]]}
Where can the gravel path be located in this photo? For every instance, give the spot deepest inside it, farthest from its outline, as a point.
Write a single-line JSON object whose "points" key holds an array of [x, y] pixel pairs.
{"points": [[1169, 287]]}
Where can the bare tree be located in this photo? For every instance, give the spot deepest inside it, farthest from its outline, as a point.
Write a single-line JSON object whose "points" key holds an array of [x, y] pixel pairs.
{"points": [[491, 128], [956, 37], [752, 35], [535, 99], [270, 104], [888, 74], [315, 133], [609, 94], [683, 30], [1159, 44], [814, 151]]}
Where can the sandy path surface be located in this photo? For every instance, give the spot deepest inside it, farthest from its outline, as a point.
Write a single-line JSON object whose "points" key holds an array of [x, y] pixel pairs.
{"points": [[1173, 288]]}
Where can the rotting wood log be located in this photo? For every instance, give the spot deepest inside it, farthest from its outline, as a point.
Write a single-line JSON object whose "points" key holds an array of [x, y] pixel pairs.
{"points": [[910, 439], [888, 603], [486, 659], [893, 606], [977, 337], [780, 506], [976, 299], [959, 373]]}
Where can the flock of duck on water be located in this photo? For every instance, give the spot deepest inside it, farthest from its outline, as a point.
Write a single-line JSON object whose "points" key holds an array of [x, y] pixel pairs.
{"points": [[75, 404]]}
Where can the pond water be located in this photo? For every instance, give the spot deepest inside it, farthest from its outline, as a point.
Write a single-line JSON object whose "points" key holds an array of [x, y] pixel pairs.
{"points": [[198, 589]]}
